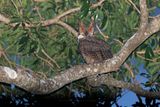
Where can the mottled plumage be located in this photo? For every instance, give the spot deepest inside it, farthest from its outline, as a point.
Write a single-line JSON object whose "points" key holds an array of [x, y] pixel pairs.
{"points": [[91, 48]]}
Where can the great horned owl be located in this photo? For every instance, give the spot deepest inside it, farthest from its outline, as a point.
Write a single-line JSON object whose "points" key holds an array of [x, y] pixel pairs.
{"points": [[91, 48]]}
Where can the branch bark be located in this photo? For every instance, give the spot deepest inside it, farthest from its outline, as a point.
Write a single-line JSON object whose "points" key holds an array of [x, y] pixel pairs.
{"points": [[55, 20], [79, 71], [110, 81], [31, 82], [68, 27]]}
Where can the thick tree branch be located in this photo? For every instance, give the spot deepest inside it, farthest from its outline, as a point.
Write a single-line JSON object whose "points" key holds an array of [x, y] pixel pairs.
{"points": [[144, 16], [37, 84], [112, 64], [31, 82], [110, 81], [80, 71]]}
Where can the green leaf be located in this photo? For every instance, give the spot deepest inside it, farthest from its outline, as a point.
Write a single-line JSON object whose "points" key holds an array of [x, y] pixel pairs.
{"points": [[158, 4], [147, 53], [33, 47], [104, 21], [153, 42], [143, 46], [154, 69], [22, 47], [37, 61], [16, 20], [147, 56], [85, 8], [23, 40], [151, 52]]}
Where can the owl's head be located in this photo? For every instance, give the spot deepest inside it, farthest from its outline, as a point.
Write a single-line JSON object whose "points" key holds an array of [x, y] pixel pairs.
{"points": [[83, 33]]}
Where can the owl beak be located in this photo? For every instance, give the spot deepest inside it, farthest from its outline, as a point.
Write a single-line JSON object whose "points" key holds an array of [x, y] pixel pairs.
{"points": [[80, 36]]}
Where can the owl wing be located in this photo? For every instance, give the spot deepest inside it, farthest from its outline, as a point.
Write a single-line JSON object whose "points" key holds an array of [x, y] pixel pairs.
{"points": [[94, 50]]}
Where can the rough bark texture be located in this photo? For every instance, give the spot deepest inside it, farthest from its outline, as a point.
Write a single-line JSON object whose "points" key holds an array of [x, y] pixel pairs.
{"points": [[32, 82], [110, 81]]}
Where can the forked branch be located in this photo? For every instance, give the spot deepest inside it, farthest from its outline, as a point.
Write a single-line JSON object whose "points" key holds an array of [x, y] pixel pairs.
{"points": [[33, 83]]}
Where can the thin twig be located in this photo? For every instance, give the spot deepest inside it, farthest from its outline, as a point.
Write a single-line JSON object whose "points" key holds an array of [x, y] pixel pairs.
{"points": [[105, 36], [4, 54], [130, 1], [20, 2], [119, 42], [147, 59], [58, 17], [43, 59], [39, 14], [50, 58], [55, 20], [157, 51], [68, 27], [15, 6], [128, 67]]}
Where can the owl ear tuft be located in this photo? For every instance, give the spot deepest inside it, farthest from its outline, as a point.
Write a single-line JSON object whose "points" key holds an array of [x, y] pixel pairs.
{"points": [[82, 29], [91, 27]]}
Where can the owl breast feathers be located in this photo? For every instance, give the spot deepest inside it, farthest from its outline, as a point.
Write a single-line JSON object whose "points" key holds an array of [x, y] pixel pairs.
{"points": [[91, 48], [94, 50]]}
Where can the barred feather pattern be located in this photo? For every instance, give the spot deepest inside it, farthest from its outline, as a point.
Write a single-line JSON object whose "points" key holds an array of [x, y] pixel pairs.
{"points": [[94, 50]]}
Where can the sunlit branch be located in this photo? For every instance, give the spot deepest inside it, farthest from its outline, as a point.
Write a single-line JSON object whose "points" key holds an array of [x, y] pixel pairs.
{"points": [[33, 83], [55, 20]]}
